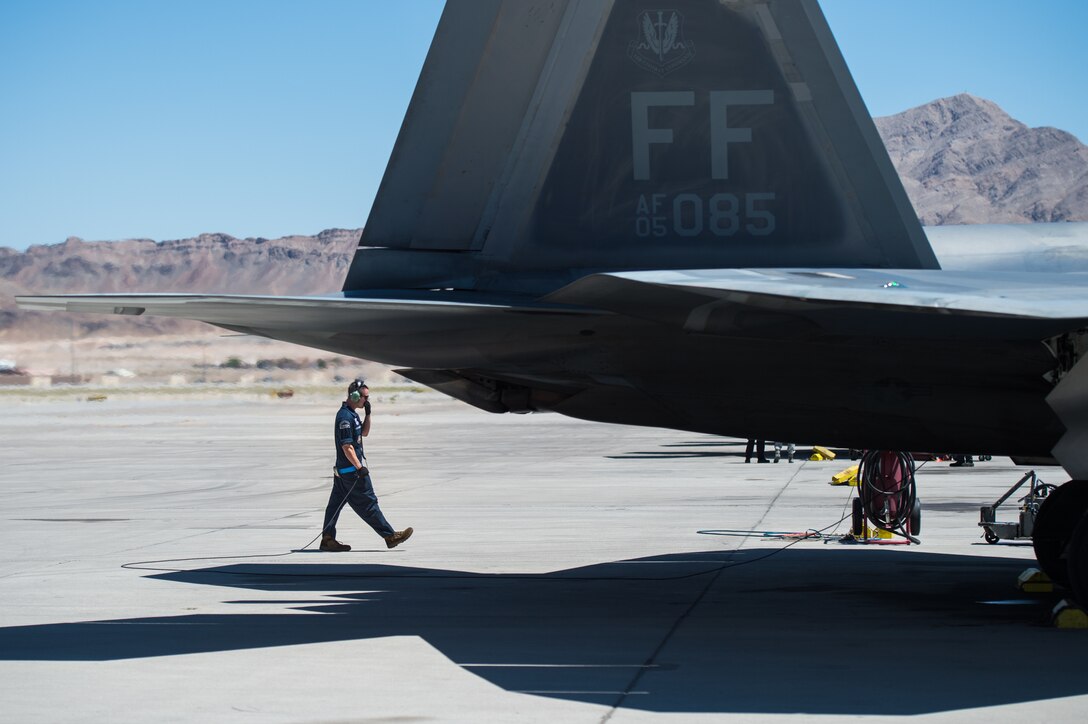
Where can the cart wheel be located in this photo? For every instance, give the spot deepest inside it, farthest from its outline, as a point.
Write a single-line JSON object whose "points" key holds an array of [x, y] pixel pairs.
{"points": [[916, 518], [991, 537], [857, 524]]}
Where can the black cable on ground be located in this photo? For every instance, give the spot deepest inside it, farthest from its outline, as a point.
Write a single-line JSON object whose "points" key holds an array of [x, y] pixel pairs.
{"points": [[143, 566], [136, 565]]}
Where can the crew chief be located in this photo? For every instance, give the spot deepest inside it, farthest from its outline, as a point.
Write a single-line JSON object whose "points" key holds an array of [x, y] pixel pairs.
{"points": [[351, 479]]}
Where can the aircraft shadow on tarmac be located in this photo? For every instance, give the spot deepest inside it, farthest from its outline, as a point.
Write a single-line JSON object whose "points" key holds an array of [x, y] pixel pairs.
{"points": [[818, 629], [699, 449], [657, 455], [694, 449]]}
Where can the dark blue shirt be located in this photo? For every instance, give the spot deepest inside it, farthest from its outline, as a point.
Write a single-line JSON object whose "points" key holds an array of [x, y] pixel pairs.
{"points": [[348, 431]]}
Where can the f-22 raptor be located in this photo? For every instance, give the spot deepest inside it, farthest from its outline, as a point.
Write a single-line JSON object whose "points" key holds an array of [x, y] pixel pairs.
{"points": [[681, 215]]}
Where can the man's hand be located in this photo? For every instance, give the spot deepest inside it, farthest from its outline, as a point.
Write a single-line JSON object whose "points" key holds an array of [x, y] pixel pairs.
{"points": [[366, 406]]}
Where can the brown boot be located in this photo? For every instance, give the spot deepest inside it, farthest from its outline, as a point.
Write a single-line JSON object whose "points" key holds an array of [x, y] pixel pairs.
{"points": [[399, 537], [330, 544]]}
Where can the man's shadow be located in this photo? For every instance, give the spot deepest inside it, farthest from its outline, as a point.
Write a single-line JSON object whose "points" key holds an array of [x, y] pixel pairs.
{"points": [[816, 629]]}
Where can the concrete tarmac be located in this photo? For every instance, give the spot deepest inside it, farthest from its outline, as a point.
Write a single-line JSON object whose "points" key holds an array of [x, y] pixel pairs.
{"points": [[560, 571]]}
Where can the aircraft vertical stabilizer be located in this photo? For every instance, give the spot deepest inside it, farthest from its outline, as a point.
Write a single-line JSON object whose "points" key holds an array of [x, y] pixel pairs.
{"points": [[549, 140]]}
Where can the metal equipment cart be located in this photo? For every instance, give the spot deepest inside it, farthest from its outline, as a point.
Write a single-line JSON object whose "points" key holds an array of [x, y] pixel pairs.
{"points": [[1023, 529]]}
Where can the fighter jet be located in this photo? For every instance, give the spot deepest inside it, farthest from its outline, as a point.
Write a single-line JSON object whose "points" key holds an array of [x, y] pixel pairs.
{"points": [[681, 215]]}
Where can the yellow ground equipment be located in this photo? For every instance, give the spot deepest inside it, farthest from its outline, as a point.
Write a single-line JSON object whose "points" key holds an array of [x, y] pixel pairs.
{"points": [[1068, 615], [1033, 580], [846, 477]]}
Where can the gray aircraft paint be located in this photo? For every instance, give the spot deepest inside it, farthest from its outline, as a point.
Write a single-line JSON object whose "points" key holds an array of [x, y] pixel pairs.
{"points": [[504, 262], [734, 146]]}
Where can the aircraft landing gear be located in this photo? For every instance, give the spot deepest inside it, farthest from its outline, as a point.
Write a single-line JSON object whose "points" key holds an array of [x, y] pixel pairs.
{"points": [[1077, 563], [1060, 537]]}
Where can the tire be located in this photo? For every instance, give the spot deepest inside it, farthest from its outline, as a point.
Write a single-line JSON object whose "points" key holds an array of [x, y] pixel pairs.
{"points": [[916, 518], [991, 537], [1055, 524], [1077, 562]]}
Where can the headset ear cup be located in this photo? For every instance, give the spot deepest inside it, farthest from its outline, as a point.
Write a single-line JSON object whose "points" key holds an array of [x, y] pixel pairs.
{"points": [[355, 396]]}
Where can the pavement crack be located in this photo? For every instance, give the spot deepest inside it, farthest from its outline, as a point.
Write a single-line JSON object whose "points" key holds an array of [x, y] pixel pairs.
{"points": [[651, 661]]}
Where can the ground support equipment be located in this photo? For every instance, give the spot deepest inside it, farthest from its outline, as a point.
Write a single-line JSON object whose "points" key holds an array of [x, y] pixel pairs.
{"points": [[1024, 528], [887, 498]]}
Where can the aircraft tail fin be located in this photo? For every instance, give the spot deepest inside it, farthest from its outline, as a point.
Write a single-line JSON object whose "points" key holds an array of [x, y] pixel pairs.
{"points": [[549, 140]]}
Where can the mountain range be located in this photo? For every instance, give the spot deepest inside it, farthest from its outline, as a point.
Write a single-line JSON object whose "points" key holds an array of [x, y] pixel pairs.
{"points": [[206, 263], [963, 160]]}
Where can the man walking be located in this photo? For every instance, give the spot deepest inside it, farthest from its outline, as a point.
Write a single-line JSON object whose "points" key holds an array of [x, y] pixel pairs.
{"points": [[351, 482]]}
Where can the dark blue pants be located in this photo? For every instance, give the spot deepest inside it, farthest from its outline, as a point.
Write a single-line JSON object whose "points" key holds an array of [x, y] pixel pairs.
{"points": [[362, 500]]}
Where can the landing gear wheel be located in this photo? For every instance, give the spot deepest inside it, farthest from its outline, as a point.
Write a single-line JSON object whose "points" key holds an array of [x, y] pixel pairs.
{"points": [[1077, 562], [1055, 523], [991, 537], [916, 518]]}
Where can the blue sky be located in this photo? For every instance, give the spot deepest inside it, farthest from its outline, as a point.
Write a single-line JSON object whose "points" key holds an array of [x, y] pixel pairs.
{"points": [[137, 119]]}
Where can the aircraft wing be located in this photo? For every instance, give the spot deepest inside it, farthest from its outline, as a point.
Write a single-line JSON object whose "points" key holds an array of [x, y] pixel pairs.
{"points": [[695, 294], [656, 295], [414, 328], [329, 312]]}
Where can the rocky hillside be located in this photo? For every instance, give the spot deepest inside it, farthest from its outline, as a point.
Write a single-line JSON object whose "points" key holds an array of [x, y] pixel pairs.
{"points": [[963, 160], [208, 263]]}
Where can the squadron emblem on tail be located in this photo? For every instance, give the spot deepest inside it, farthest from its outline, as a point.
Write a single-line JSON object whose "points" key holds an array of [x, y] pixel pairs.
{"points": [[660, 46]]}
